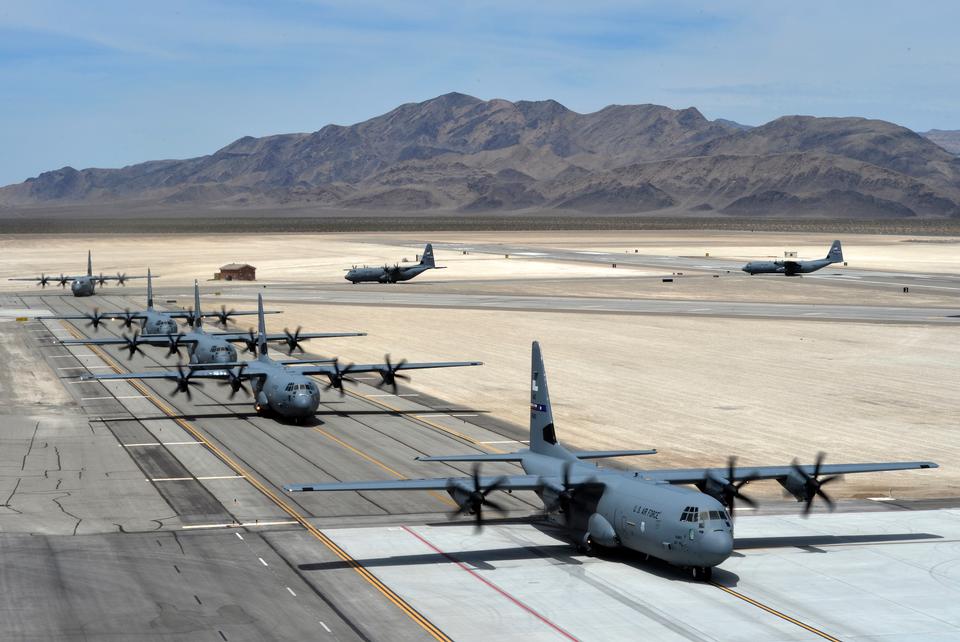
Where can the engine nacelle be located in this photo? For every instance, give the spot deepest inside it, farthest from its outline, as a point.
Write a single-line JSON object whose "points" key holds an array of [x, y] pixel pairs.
{"points": [[601, 531], [710, 487], [459, 494], [794, 485]]}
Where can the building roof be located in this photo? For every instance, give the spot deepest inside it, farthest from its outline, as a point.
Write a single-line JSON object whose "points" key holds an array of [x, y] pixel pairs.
{"points": [[236, 266]]}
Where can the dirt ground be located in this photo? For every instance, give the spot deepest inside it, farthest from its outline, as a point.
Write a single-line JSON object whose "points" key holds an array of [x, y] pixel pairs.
{"points": [[698, 389]]}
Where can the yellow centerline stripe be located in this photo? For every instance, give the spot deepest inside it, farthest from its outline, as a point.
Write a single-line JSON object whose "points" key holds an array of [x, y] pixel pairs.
{"points": [[398, 601], [373, 460], [772, 611]]}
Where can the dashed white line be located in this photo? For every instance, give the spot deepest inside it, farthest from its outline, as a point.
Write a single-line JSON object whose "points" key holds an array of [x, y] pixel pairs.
{"points": [[239, 535], [110, 397], [291, 592], [446, 414], [325, 627], [161, 443], [288, 522], [262, 561]]}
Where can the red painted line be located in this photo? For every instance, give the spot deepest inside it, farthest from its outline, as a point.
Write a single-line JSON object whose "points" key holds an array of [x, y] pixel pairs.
{"points": [[496, 588]]}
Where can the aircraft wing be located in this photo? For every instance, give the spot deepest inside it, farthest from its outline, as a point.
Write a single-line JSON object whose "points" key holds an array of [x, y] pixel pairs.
{"points": [[143, 339], [696, 475], [275, 336], [195, 371], [507, 482], [385, 368], [108, 316], [187, 314]]}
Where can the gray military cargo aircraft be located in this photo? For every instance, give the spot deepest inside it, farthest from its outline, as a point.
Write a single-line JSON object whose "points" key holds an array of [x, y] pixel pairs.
{"points": [[653, 512], [388, 274], [151, 320], [288, 392], [206, 347], [82, 285], [791, 267]]}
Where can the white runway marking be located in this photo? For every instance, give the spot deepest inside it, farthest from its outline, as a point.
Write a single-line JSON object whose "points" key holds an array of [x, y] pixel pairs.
{"points": [[445, 414], [262, 561], [288, 522], [95, 398], [164, 443], [239, 535], [325, 627], [71, 356], [291, 592], [506, 441], [166, 479]]}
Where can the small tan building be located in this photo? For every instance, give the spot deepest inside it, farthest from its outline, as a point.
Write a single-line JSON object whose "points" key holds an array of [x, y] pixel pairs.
{"points": [[236, 272]]}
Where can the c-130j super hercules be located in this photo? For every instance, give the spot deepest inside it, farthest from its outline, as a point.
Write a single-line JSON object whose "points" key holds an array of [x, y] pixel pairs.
{"points": [[681, 516], [790, 267], [83, 284]]}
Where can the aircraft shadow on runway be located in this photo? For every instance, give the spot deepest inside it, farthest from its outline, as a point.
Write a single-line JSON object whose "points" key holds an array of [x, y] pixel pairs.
{"points": [[811, 542]]}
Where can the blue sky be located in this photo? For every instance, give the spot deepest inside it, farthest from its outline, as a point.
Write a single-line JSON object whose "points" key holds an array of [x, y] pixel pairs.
{"points": [[105, 84]]}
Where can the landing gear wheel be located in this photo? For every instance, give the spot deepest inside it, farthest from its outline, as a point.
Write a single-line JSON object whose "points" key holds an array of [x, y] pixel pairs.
{"points": [[701, 573], [585, 547]]}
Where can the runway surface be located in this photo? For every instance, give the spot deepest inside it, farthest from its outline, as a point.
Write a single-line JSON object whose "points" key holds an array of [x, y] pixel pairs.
{"points": [[833, 275], [376, 296], [132, 512]]}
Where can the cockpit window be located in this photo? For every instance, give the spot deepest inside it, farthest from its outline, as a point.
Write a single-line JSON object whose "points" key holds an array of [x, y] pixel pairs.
{"points": [[690, 514]]}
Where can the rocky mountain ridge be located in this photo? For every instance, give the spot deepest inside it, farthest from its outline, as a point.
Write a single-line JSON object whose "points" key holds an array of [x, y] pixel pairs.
{"points": [[460, 153]]}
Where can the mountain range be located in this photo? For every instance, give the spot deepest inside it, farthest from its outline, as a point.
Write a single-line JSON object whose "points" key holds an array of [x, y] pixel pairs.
{"points": [[463, 154]]}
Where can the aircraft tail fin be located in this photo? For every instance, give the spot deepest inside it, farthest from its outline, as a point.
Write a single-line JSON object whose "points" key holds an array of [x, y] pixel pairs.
{"points": [[427, 259], [543, 436], [261, 329], [89, 263], [197, 319], [835, 255], [149, 290]]}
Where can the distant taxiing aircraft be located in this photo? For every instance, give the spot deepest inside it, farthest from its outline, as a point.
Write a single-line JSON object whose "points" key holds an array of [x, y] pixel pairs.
{"points": [[392, 274], [83, 284], [789, 267]]}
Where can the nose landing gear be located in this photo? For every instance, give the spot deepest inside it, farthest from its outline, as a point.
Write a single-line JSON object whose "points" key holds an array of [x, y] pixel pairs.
{"points": [[701, 573]]}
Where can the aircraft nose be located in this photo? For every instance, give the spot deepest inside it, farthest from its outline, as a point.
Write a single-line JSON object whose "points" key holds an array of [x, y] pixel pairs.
{"points": [[304, 404], [745, 268], [715, 547]]}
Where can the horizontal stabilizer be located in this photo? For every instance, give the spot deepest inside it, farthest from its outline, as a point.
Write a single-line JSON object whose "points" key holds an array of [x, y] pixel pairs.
{"points": [[603, 454], [476, 457]]}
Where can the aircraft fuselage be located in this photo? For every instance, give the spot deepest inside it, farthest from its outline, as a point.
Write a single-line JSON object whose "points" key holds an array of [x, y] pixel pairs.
{"points": [[155, 322], [83, 286], [679, 525], [788, 268], [384, 275], [284, 391]]}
